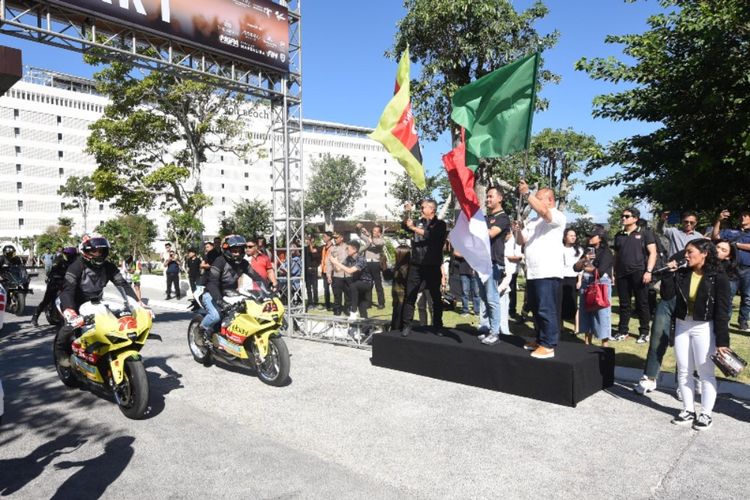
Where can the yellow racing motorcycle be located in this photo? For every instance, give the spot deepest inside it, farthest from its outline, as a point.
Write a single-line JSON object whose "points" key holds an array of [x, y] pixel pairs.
{"points": [[249, 336], [106, 354]]}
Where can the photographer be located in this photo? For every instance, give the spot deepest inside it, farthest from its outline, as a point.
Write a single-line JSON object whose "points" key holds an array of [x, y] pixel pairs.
{"points": [[429, 235], [172, 272], [597, 260]]}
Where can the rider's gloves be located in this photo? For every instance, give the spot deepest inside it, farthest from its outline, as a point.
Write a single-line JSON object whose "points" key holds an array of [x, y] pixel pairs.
{"points": [[73, 318]]}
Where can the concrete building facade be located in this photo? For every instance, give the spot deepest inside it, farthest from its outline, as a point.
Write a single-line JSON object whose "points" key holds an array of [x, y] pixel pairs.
{"points": [[44, 122]]}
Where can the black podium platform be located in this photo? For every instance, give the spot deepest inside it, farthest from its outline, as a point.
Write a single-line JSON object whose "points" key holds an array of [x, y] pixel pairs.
{"points": [[576, 372]]}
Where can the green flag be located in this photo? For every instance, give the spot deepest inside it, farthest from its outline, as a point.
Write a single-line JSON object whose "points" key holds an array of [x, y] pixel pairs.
{"points": [[496, 110]]}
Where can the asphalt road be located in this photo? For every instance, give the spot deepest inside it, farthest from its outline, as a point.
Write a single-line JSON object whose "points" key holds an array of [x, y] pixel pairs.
{"points": [[344, 429]]}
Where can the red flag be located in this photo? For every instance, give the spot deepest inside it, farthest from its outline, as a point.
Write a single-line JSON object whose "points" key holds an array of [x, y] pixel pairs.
{"points": [[470, 236]]}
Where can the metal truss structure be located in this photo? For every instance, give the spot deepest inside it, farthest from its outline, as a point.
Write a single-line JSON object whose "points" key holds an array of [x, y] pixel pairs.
{"points": [[339, 330], [59, 27]]}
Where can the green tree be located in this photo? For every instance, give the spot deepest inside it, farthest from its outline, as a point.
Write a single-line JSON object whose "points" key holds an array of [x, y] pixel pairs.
{"points": [[689, 77], [80, 192], [458, 41], [58, 235], [154, 137], [335, 184], [368, 215], [129, 235], [582, 226], [183, 229], [403, 190], [250, 218]]}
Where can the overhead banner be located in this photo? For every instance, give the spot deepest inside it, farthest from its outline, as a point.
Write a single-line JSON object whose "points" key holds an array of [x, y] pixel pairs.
{"points": [[255, 31]]}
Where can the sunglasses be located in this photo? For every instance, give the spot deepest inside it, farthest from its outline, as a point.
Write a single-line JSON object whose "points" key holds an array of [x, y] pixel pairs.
{"points": [[250, 246], [626, 216]]}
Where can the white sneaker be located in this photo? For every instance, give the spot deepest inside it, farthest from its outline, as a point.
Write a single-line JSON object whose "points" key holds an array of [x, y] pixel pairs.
{"points": [[645, 385]]}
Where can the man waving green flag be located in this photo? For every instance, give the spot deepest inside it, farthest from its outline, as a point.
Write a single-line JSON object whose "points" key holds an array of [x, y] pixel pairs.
{"points": [[496, 110]]}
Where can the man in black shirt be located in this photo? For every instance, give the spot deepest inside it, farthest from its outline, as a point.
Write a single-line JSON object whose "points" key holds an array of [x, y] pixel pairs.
{"points": [[426, 259], [193, 264], [312, 262], [498, 225], [635, 257]]}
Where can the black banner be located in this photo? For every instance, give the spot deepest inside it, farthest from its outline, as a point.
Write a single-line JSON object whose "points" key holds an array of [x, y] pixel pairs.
{"points": [[251, 30]]}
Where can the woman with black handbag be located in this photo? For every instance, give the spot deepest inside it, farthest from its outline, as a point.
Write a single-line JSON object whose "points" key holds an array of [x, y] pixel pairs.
{"points": [[701, 327], [596, 264]]}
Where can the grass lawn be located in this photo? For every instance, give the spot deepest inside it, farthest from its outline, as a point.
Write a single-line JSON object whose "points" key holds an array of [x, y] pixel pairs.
{"points": [[628, 353]]}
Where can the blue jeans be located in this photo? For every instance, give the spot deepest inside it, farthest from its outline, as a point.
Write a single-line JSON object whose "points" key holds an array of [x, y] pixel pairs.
{"points": [[489, 307], [660, 329], [504, 307], [744, 273], [469, 287], [212, 317], [597, 322], [545, 297], [733, 287]]}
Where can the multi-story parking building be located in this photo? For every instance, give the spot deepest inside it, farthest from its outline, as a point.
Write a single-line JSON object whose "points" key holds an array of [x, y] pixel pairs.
{"points": [[44, 122]]}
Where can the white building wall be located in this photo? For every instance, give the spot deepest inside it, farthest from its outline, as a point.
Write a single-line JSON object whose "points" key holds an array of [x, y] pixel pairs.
{"points": [[43, 131]]}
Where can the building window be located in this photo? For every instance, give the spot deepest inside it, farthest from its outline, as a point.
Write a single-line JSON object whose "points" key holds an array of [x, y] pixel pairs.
{"points": [[222, 171], [222, 157], [20, 204], [59, 120], [222, 186], [101, 207], [19, 186], [17, 132], [60, 171], [59, 155], [223, 199], [62, 207], [247, 174], [247, 188], [18, 150], [59, 137], [18, 168], [16, 114], [20, 223]]}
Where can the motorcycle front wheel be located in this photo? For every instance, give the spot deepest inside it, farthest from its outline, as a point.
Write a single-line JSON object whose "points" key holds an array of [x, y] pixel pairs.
{"points": [[132, 396], [53, 315], [274, 370], [196, 343], [16, 303]]}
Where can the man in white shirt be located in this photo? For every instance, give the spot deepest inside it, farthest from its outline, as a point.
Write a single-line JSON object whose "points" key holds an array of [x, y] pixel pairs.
{"points": [[543, 240]]}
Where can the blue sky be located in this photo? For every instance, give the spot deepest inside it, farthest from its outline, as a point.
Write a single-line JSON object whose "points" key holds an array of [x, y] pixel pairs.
{"points": [[346, 77]]}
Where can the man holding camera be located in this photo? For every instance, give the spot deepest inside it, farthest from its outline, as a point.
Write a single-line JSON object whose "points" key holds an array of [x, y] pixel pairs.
{"points": [[429, 235]]}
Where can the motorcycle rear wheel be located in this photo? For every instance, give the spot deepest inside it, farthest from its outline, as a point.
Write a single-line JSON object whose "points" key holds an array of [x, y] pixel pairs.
{"points": [[65, 373], [196, 344], [275, 368], [133, 398]]}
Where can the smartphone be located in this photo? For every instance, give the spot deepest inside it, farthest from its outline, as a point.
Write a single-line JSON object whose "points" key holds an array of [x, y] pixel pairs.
{"points": [[590, 252]]}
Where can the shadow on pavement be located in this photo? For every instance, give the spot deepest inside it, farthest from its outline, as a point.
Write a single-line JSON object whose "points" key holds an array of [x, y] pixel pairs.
{"points": [[622, 391], [15, 473], [160, 385], [96, 474]]}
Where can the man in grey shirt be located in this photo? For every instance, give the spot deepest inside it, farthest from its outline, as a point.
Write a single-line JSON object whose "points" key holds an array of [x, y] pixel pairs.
{"points": [[373, 246], [337, 277], [678, 237]]}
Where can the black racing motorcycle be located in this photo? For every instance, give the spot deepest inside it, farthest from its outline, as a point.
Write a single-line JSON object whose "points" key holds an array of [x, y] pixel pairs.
{"points": [[16, 282]]}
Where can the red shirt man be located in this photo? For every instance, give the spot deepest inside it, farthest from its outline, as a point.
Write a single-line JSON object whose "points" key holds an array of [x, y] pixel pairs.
{"points": [[260, 262]]}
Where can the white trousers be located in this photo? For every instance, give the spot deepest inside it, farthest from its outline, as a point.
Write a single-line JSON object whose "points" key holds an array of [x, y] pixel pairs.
{"points": [[693, 345]]}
